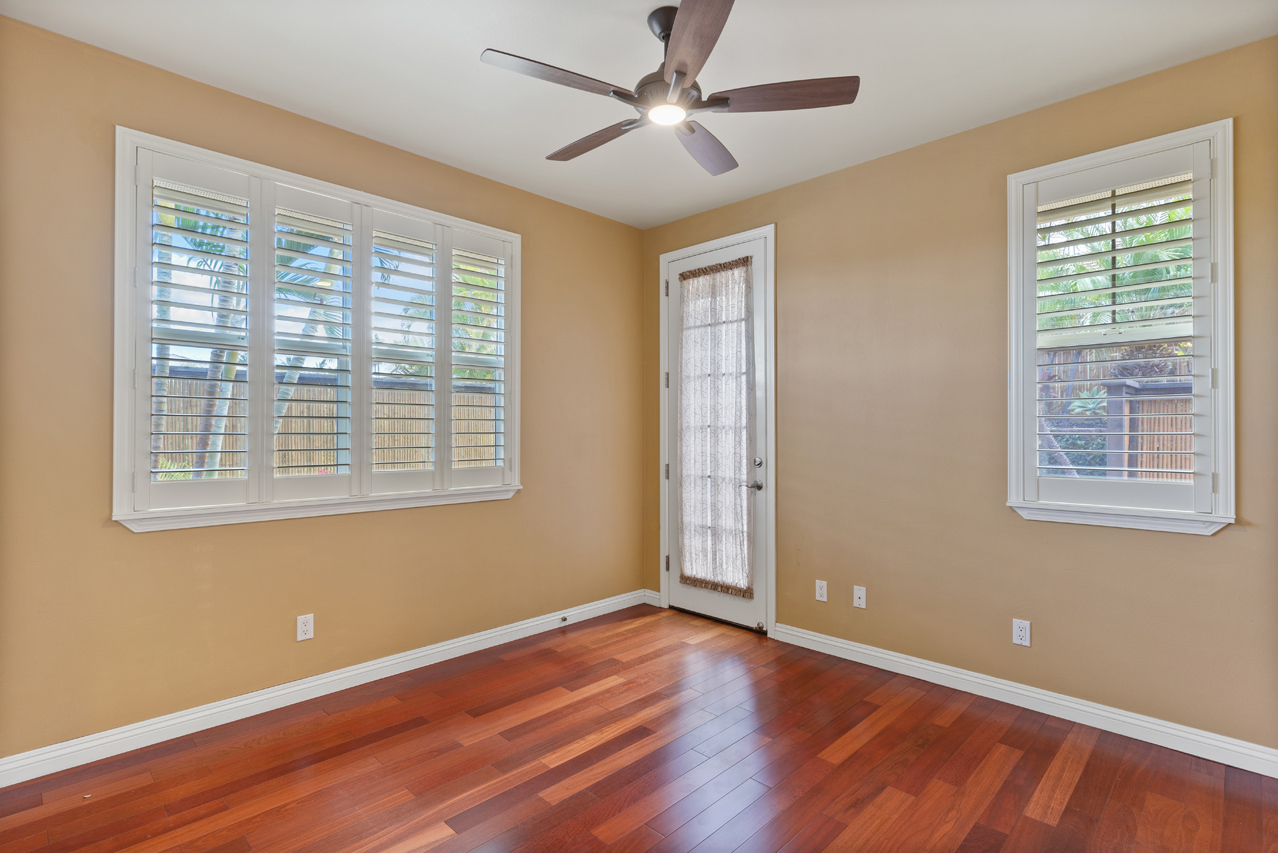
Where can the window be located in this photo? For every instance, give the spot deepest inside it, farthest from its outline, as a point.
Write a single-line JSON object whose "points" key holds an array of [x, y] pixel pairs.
{"points": [[279, 349], [1121, 405]]}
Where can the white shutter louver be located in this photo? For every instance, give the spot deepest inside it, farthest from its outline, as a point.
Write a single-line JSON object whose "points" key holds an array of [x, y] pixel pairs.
{"points": [[313, 290], [403, 339], [1115, 334], [478, 404], [198, 334]]}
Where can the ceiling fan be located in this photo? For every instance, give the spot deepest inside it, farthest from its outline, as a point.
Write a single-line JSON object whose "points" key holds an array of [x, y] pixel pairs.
{"points": [[671, 95]]}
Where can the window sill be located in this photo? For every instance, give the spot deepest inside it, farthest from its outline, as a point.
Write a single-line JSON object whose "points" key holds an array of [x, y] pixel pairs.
{"points": [[209, 516], [1136, 519]]}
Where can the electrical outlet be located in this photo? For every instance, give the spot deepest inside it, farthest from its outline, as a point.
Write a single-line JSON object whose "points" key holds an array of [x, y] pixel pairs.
{"points": [[1020, 632], [821, 592], [858, 597], [305, 627]]}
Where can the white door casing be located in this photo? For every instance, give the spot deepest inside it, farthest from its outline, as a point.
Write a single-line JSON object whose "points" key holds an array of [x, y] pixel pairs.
{"points": [[759, 244]]}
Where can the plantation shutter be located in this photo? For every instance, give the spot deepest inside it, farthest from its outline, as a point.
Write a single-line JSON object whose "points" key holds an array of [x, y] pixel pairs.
{"points": [[404, 371], [193, 424], [280, 344], [314, 291], [478, 359], [1120, 343]]}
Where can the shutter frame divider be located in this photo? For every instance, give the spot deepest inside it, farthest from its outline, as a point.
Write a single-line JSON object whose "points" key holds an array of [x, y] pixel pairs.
{"points": [[141, 463], [444, 358], [262, 300], [361, 350]]}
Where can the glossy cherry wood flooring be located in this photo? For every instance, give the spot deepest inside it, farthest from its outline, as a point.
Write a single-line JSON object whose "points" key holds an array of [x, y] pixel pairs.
{"points": [[646, 730]]}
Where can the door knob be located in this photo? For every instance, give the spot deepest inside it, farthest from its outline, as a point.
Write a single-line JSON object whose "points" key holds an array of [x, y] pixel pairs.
{"points": [[757, 485]]}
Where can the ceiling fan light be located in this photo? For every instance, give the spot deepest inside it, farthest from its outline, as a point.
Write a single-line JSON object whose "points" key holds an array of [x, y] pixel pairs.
{"points": [[667, 114]]}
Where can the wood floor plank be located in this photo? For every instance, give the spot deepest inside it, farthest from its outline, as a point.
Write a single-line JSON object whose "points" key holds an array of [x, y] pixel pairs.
{"points": [[704, 824], [235, 845], [645, 730], [1269, 794], [1039, 751], [876, 722], [815, 835], [669, 795], [977, 791], [26, 844], [736, 831], [987, 736], [1204, 811], [873, 820], [875, 773], [942, 749], [983, 839], [648, 742], [911, 830], [1030, 836], [1078, 822], [957, 704], [665, 758], [1121, 816], [1054, 791], [1243, 824]]}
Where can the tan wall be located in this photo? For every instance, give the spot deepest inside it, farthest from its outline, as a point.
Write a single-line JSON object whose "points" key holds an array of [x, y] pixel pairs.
{"points": [[99, 626], [891, 401]]}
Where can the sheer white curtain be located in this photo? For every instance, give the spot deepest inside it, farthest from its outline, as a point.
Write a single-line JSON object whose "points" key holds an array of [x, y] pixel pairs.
{"points": [[716, 426]]}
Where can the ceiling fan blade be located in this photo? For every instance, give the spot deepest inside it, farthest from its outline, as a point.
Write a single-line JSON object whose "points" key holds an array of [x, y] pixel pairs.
{"points": [[594, 140], [794, 95], [706, 149], [550, 73], [696, 29]]}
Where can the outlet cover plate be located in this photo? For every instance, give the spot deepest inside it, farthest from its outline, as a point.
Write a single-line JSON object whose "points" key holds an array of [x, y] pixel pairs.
{"points": [[305, 627], [1020, 632], [858, 597], [822, 593]]}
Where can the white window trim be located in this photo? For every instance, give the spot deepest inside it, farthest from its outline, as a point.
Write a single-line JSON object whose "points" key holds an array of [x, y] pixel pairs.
{"points": [[128, 142], [1220, 136]]}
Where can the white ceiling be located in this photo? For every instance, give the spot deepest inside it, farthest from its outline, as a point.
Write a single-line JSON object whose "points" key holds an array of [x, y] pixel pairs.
{"points": [[407, 72]]}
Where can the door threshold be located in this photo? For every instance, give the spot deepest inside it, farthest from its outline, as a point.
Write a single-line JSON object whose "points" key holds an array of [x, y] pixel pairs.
{"points": [[759, 629]]}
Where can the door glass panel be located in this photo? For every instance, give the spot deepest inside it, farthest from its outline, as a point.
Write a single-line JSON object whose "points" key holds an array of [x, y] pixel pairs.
{"points": [[716, 428]]}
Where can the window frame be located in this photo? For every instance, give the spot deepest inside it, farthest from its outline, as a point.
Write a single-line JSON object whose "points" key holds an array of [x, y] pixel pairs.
{"points": [[131, 272], [1021, 373]]}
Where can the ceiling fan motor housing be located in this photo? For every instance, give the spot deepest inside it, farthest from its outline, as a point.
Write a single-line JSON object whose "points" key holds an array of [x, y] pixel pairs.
{"points": [[652, 89]]}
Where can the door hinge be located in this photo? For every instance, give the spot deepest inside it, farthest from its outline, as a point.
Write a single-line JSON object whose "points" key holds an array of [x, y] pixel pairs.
{"points": [[1214, 480], [667, 562], [1213, 378], [667, 287], [667, 378], [1213, 272], [667, 470]]}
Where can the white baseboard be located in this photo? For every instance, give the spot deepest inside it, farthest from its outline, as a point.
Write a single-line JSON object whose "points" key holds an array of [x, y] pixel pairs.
{"points": [[1226, 750], [72, 753]]}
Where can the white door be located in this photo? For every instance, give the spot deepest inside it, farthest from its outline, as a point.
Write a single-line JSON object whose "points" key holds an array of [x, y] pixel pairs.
{"points": [[718, 493]]}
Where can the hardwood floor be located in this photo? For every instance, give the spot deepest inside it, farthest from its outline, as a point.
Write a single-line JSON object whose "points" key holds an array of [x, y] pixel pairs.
{"points": [[646, 730]]}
